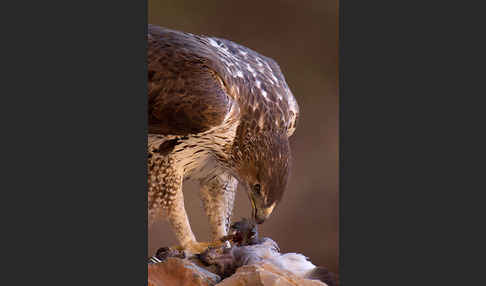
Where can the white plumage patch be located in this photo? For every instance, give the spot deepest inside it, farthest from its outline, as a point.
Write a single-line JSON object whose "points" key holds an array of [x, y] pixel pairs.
{"points": [[213, 43], [293, 262], [268, 252], [264, 93], [258, 83]]}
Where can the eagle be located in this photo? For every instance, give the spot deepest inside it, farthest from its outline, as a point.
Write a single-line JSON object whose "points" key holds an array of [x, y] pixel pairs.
{"points": [[221, 114]]}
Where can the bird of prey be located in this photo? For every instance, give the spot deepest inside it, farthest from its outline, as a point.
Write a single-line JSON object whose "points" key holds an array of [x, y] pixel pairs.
{"points": [[219, 113]]}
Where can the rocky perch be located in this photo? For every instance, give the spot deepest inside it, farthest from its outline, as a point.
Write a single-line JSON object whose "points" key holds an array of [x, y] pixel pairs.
{"points": [[180, 272], [249, 261]]}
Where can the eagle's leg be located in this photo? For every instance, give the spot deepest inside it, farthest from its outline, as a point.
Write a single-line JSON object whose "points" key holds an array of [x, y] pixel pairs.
{"points": [[165, 191], [218, 195], [180, 223], [165, 196], [178, 219]]}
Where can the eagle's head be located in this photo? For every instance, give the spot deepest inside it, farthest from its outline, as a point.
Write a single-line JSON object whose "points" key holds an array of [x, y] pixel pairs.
{"points": [[263, 166]]}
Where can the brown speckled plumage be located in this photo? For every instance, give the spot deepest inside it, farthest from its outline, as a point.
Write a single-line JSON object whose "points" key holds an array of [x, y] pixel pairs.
{"points": [[219, 113]]}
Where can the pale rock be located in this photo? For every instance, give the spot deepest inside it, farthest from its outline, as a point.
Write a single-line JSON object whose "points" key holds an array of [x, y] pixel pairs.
{"points": [[265, 274], [179, 272]]}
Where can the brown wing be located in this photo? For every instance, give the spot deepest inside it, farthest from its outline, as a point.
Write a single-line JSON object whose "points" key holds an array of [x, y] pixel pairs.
{"points": [[260, 82], [185, 95]]}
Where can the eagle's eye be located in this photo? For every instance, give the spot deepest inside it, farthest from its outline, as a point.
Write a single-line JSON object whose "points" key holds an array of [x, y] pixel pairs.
{"points": [[257, 189]]}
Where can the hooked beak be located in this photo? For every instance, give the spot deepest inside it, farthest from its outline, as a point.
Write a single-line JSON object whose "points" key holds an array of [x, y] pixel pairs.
{"points": [[261, 214]]}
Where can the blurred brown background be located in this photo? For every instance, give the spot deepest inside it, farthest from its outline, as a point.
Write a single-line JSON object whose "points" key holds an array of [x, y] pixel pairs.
{"points": [[302, 36]]}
